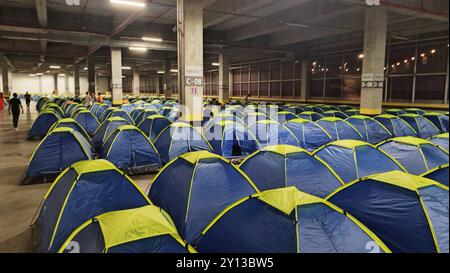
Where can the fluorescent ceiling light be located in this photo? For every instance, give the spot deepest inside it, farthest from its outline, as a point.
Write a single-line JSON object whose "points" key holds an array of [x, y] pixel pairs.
{"points": [[55, 67], [152, 39], [39, 74], [32, 75], [361, 56], [400, 38], [85, 68], [123, 77], [130, 3], [295, 24], [174, 70], [215, 64], [126, 68], [136, 48], [161, 72], [62, 75]]}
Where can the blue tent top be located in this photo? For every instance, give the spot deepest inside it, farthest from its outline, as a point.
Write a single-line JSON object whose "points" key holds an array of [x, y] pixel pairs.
{"points": [[143, 115], [107, 113], [130, 150], [339, 129], [127, 108], [136, 112], [424, 128], [283, 117], [416, 155], [165, 111], [269, 132], [438, 174], [253, 117], [396, 126], [314, 108], [100, 110], [372, 131], [407, 212], [282, 166], [153, 125], [59, 149], [353, 159], [122, 114], [395, 112], [105, 130], [334, 113], [309, 134], [179, 138], [441, 140], [42, 125], [88, 121], [220, 118], [287, 221], [184, 189], [84, 190], [441, 121], [309, 115], [415, 111], [294, 109], [231, 139], [71, 123], [351, 112]]}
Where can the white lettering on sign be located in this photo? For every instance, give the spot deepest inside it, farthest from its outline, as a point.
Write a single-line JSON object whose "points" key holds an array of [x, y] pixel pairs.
{"points": [[194, 81], [373, 2], [73, 2], [193, 71]]}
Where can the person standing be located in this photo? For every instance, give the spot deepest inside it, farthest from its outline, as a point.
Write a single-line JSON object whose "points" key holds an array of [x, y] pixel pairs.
{"points": [[88, 100], [14, 108], [27, 99]]}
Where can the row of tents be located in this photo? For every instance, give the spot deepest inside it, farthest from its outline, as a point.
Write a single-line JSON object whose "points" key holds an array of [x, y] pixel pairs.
{"points": [[94, 207]]}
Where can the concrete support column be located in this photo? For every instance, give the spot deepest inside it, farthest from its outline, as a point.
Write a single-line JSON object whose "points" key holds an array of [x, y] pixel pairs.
{"points": [[55, 85], [375, 29], [190, 59], [304, 76], [167, 80], [76, 79], [224, 77], [116, 73], [40, 85], [91, 75], [157, 86], [136, 83], [5, 79], [66, 85]]}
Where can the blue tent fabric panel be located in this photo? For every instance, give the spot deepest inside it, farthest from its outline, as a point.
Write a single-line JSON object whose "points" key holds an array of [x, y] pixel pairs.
{"points": [[341, 161], [102, 133], [273, 134], [371, 161], [442, 142], [372, 131], [266, 170], [324, 230], [123, 115], [397, 127], [209, 199], [170, 191], [409, 156], [439, 175], [394, 214], [88, 122], [435, 200], [340, 130], [158, 244], [95, 194], [434, 156], [88, 240], [50, 210], [424, 128], [41, 125], [310, 135], [262, 229], [440, 121]]}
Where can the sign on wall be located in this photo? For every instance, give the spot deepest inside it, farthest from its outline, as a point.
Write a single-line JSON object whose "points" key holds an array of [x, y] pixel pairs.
{"points": [[370, 80]]}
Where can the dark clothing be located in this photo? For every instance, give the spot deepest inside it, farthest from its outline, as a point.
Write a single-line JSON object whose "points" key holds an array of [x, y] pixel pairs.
{"points": [[27, 99], [15, 105], [15, 119]]}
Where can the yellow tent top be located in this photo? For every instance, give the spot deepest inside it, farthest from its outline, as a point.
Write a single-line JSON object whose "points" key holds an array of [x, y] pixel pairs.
{"points": [[156, 116], [300, 120], [62, 130], [409, 140], [444, 135], [388, 116], [88, 166], [180, 124], [348, 143], [266, 121], [194, 157], [404, 180], [284, 149], [331, 119]]}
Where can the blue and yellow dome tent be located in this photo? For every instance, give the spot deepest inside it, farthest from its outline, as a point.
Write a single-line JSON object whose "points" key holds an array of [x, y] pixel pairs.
{"points": [[183, 188], [88, 121], [283, 117], [59, 149], [219, 118], [110, 233], [334, 113], [118, 113], [104, 130], [130, 150], [372, 131], [135, 113], [395, 112], [42, 124], [294, 109], [84, 190], [441, 140], [107, 113], [351, 112], [396, 126], [314, 108], [269, 132], [152, 126], [438, 174], [416, 155], [407, 212], [282, 166], [253, 117], [71, 123], [143, 115], [353, 159], [231, 140], [441, 121], [415, 111], [55, 107], [179, 138], [423, 127], [309, 134], [100, 110], [287, 221], [339, 129], [309, 115]]}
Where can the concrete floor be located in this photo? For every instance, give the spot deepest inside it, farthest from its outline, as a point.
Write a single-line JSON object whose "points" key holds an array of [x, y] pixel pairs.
{"points": [[18, 204]]}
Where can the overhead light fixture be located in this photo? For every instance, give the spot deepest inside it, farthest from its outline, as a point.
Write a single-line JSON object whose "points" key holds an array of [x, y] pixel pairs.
{"points": [[126, 68], [361, 56], [39, 74], [413, 58], [62, 75], [152, 39], [32, 75], [398, 63], [174, 70], [55, 67], [357, 69], [422, 55], [215, 64], [123, 77], [130, 3], [136, 48], [295, 24], [400, 38], [161, 72], [405, 61], [85, 68], [433, 51]]}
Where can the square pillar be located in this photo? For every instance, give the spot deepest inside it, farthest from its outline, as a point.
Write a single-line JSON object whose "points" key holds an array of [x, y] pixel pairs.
{"points": [[190, 59], [136, 83], [304, 76], [55, 85], [5, 79], [116, 76], [224, 76], [167, 80], [372, 80], [66, 85], [157, 86], [91, 75], [76, 79]]}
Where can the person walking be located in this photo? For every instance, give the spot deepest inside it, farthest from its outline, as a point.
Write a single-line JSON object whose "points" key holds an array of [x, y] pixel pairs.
{"points": [[88, 100], [14, 108], [27, 99]]}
